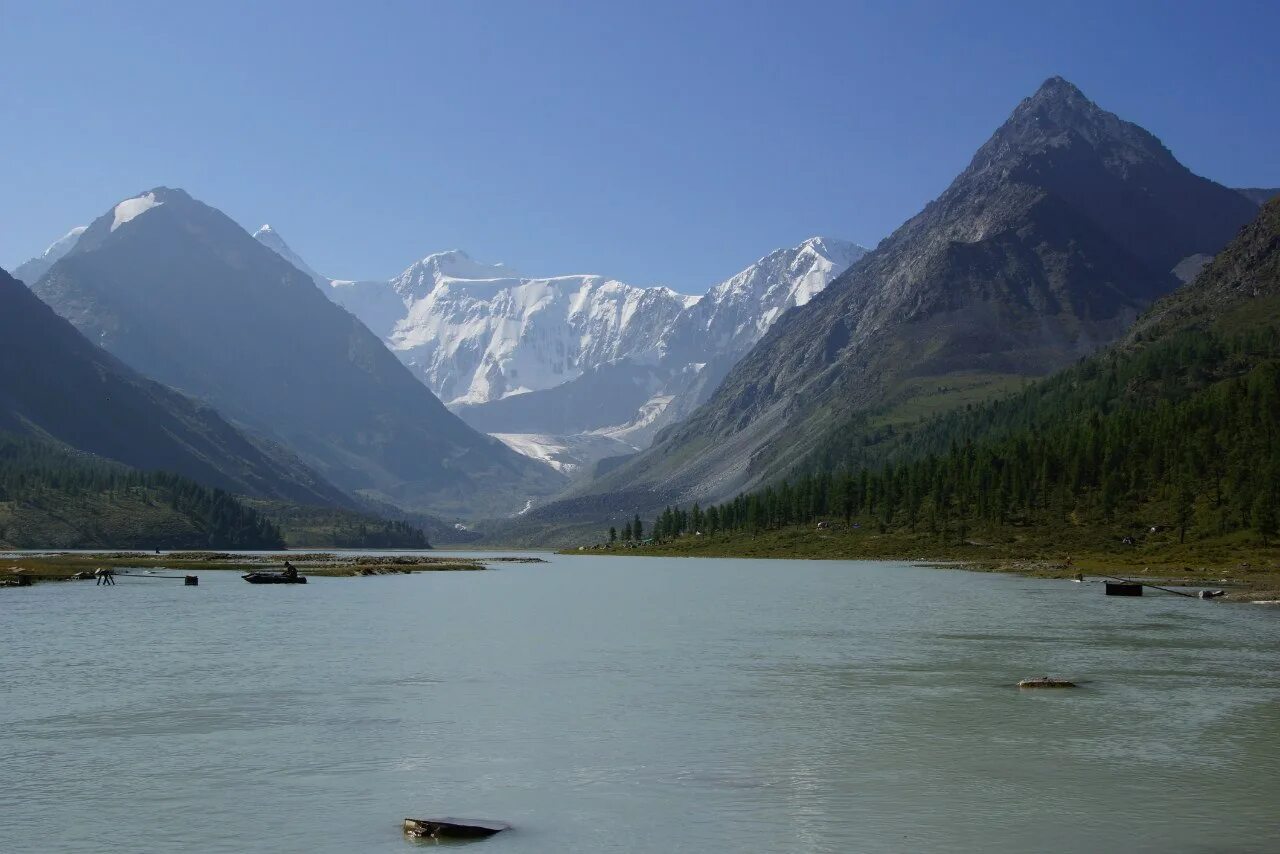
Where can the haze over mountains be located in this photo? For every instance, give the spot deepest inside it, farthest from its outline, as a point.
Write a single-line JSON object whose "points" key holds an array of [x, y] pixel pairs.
{"points": [[182, 294], [570, 369], [58, 386], [1068, 222]]}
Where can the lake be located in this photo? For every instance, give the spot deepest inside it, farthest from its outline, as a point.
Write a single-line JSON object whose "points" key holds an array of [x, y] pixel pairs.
{"points": [[637, 705]]}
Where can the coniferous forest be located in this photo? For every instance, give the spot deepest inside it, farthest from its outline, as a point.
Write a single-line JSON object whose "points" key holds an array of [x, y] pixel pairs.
{"points": [[1176, 428], [43, 487]]}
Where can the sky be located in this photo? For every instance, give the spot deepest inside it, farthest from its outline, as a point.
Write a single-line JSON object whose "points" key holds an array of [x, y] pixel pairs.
{"points": [[654, 142]]}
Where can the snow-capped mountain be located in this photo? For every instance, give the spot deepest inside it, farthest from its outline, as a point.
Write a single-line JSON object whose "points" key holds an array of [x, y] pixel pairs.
{"points": [[474, 340], [736, 313], [573, 368], [30, 272], [477, 332], [268, 238]]}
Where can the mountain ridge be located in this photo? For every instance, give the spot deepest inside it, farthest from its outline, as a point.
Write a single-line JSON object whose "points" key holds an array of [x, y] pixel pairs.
{"points": [[1065, 225], [180, 292], [58, 386]]}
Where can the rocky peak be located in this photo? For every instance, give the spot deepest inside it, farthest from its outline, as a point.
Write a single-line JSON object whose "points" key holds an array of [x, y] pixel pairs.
{"points": [[1058, 116]]}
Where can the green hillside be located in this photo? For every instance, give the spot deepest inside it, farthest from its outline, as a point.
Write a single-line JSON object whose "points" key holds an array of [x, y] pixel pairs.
{"points": [[1169, 438], [55, 498]]}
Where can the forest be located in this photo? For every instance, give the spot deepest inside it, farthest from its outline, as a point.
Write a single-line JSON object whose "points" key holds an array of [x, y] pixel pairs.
{"points": [[40, 479], [1179, 434]]}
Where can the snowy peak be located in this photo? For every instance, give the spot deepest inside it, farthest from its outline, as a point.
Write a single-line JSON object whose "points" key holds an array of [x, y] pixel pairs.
{"points": [[478, 332], [736, 313], [30, 271], [271, 239], [424, 276], [130, 209]]}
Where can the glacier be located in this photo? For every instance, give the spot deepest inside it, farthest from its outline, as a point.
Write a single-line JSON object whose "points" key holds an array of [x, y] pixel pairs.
{"points": [[573, 369]]}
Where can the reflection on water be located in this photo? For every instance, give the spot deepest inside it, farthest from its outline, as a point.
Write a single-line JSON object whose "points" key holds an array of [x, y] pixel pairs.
{"points": [[632, 704]]}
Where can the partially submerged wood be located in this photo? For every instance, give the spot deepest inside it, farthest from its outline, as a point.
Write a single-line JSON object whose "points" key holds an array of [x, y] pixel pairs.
{"points": [[1046, 682], [452, 828], [273, 578]]}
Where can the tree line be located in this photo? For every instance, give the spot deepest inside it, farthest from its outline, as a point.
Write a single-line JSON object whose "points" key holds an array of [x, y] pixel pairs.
{"points": [[1182, 433], [39, 473]]}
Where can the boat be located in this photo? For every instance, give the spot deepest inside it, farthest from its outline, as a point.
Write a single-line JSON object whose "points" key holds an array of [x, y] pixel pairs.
{"points": [[273, 578], [1124, 588]]}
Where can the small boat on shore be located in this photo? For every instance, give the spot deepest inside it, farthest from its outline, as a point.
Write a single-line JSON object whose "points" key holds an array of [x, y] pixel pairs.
{"points": [[273, 578]]}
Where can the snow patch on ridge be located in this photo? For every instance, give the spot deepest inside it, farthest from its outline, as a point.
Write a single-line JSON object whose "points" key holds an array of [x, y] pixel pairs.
{"points": [[63, 244], [130, 209]]}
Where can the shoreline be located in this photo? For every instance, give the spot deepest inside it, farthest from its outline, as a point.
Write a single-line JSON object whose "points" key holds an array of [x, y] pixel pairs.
{"points": [[1245, 574], [71, 566]]}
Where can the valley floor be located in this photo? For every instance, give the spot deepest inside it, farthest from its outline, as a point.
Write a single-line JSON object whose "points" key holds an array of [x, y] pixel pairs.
{"points": [[1245, 569]]}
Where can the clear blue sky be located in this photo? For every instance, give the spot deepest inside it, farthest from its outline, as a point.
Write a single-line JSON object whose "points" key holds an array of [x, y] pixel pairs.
{"points": [[655, 142]]}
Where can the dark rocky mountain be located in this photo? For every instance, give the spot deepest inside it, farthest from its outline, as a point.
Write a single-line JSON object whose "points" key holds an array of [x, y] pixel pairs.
{"points": [[183, 294], [57, 386], [1066, 225]]}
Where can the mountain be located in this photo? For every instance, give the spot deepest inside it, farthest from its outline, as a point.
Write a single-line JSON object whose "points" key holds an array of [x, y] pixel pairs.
{"points": [[1259, 195], [268, 238], [30, 271], [1067, 224], [181, 293], [1238, 291], [572, 369], [57, 386], [631, 399], [1162, 444], [55, 497]]}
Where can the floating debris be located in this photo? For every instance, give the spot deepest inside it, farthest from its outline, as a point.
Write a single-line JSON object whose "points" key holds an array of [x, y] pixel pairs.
{"points": [[452, 828], [1046, 682]]}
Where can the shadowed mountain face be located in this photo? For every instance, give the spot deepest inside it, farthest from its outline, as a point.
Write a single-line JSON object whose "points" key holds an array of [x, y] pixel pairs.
{"points": [[1259, 195], [1068, 222], [181, 293], [1238, 289], [56, 385]]}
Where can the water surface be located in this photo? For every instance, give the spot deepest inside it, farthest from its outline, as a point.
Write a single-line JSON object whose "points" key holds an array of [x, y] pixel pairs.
{"points": [[637, 704]]}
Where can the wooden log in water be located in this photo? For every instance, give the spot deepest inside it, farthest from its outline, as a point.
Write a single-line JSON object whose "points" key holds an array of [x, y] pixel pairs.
{"points": [[452, 828], [1046, 682]]}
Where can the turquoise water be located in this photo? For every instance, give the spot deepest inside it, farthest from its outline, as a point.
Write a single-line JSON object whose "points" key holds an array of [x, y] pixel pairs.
{"points": [[637, 704]]}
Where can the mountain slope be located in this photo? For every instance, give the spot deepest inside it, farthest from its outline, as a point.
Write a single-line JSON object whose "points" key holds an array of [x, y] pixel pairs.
{"points": [[1163, 444], [52, 497], [579, 364], [180, 292], [57, 385], [1067, 224], [661, 384], [1259, 195], [30, 271]]}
